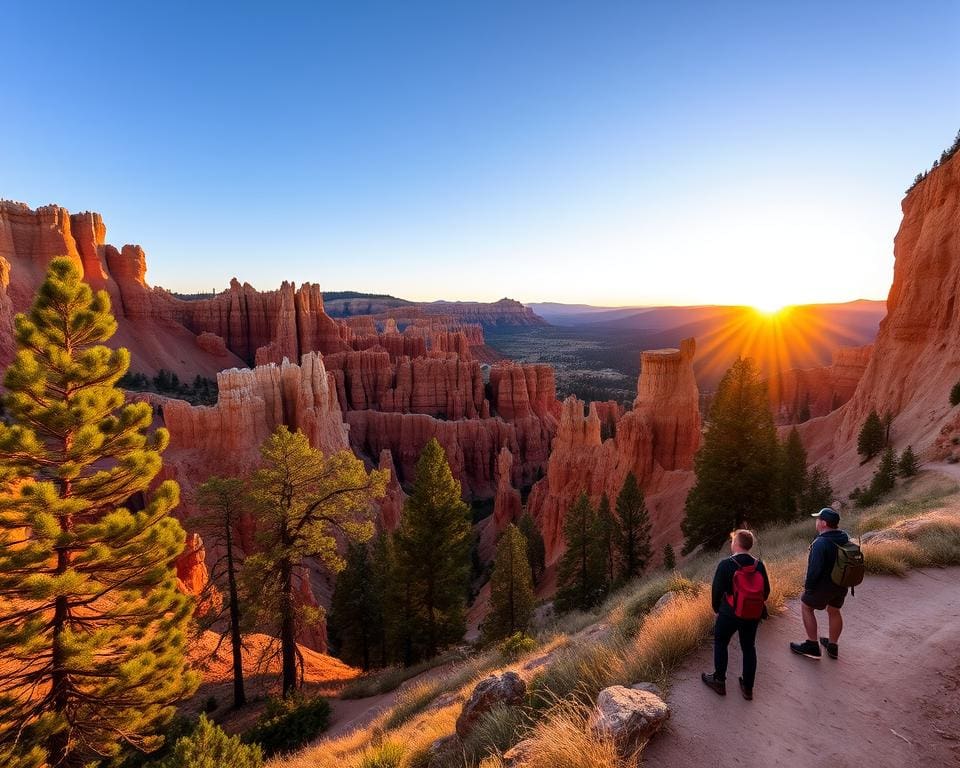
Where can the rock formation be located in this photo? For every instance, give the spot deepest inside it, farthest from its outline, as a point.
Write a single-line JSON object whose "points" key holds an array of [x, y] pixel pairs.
{"points": [[391, 507], [818, 390], [656, 441], [916, 358], [506, 504]]}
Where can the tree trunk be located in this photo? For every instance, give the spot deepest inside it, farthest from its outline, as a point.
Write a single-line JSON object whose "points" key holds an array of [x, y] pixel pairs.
{"points": [[239, 696], [288, 630]]}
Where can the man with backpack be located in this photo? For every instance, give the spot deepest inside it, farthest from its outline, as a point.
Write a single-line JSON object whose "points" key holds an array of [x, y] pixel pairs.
{"points": [[834, 564], [740, 590]]}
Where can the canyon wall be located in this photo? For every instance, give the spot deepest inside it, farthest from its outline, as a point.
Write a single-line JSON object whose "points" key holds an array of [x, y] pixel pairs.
{"points": [[656, 440], [916, 356]]}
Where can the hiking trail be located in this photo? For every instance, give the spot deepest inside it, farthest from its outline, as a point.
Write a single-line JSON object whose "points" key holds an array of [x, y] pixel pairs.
{"points": [[890, 701]]}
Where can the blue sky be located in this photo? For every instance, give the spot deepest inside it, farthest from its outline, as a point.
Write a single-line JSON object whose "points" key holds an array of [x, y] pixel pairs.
{"points": [[607, 153]]}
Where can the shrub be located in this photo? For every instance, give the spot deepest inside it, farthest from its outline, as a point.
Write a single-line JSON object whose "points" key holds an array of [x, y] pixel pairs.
{"points": [[386, 755], [209, 747], [516, 646], [289, 723], [955, 394]]}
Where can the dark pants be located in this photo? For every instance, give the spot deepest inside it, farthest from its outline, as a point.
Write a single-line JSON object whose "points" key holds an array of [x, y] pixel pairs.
{"points": [[723, 630]]}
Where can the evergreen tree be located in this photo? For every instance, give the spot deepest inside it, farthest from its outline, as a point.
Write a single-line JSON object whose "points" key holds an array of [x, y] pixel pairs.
{"points": [[871, 439], [433, 556], [887, 423], [356, 612], [536, 550], [303, 499], [394, 602], [633, 531], [907, 466], [580, 574], [885, 478], [511, 588], [793, 474], [817, 492], [736, 465], [669, 558], [607, 540], [92, 625], [222, 500]]}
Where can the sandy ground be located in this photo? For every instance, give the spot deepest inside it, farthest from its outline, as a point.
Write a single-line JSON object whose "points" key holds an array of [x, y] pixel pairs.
{"points": [[891, 700]]}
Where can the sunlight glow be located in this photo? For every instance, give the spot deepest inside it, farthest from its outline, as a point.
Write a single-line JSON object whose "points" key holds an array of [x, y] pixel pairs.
{"points": [[769, 308]]}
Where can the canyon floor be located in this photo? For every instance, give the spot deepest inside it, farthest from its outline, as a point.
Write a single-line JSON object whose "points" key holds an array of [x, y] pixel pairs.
{"points": [[892, 699]]}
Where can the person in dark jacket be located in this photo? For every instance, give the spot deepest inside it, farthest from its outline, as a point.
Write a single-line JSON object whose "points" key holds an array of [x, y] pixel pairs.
{"points": [[728, 624], [819, 591]]}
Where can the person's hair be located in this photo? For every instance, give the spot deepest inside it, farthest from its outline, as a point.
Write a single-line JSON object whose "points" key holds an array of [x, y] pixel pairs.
{"points": [[827, 523], [743, 539]]}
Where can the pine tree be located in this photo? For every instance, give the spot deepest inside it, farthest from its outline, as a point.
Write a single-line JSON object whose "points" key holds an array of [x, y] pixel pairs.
{"points": [[907, 467], [536, 550], [607, 540], [92, 625], [885, 478], [511, 588], [303, 498], [817, 492], [736, 465], [395, 604], [356, 612], [669, 558], [580, 574], [633, 532], [792, 475], [433, 556], [871, 439], [222, 500]]}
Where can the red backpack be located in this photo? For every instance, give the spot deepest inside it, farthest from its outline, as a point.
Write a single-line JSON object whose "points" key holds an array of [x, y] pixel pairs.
{"points": [[747, 599]]}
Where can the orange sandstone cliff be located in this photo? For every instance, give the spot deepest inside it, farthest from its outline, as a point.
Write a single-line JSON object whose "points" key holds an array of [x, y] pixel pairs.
{"points": [[916, 356]]}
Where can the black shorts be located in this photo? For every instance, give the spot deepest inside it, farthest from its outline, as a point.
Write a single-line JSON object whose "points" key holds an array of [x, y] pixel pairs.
{"points": [[818, 599]]}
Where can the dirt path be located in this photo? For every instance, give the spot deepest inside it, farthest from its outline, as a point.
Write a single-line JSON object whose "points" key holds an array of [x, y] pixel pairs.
{"points": [[891, 700]]}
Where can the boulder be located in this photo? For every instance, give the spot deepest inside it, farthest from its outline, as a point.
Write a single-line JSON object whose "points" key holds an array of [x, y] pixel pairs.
{"points": [[649, 688], [445, 753], [519, 754], [506, 689], [628, 717]]}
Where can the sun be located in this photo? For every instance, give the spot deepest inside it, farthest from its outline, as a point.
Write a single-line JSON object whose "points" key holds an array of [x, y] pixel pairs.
{"points": [[769, 308]]}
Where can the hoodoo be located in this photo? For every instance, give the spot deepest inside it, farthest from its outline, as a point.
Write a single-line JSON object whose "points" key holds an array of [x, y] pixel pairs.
{"points": [[656, 441]]}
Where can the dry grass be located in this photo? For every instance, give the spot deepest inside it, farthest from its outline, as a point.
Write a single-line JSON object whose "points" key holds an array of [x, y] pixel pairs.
{"points": [[562, 740]]}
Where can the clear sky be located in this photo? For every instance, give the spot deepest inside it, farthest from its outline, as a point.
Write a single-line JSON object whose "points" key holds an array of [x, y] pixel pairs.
{"points": [[598, 152]]}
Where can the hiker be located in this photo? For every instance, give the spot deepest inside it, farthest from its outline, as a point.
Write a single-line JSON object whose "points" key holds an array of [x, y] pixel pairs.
{"points": [[740, 590], [820, 589]]}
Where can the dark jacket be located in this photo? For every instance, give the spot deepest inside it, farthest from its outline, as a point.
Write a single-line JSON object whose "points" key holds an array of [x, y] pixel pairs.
{"points": [[823, 556], [723, 581]]}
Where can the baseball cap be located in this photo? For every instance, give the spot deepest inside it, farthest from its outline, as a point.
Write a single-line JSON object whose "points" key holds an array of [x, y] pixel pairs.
{"points": [[828, 515]]}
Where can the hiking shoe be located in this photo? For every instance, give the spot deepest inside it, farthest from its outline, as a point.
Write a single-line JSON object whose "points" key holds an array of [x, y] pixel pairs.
{"points": [[807, 648], [719, 686], [747, 692], [833, 650]]}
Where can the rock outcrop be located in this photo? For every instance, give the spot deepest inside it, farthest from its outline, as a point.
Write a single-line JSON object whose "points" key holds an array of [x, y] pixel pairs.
{"points": [[916, 357], [506, 504], [815, 392], [656, 441], [506, 689]]}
